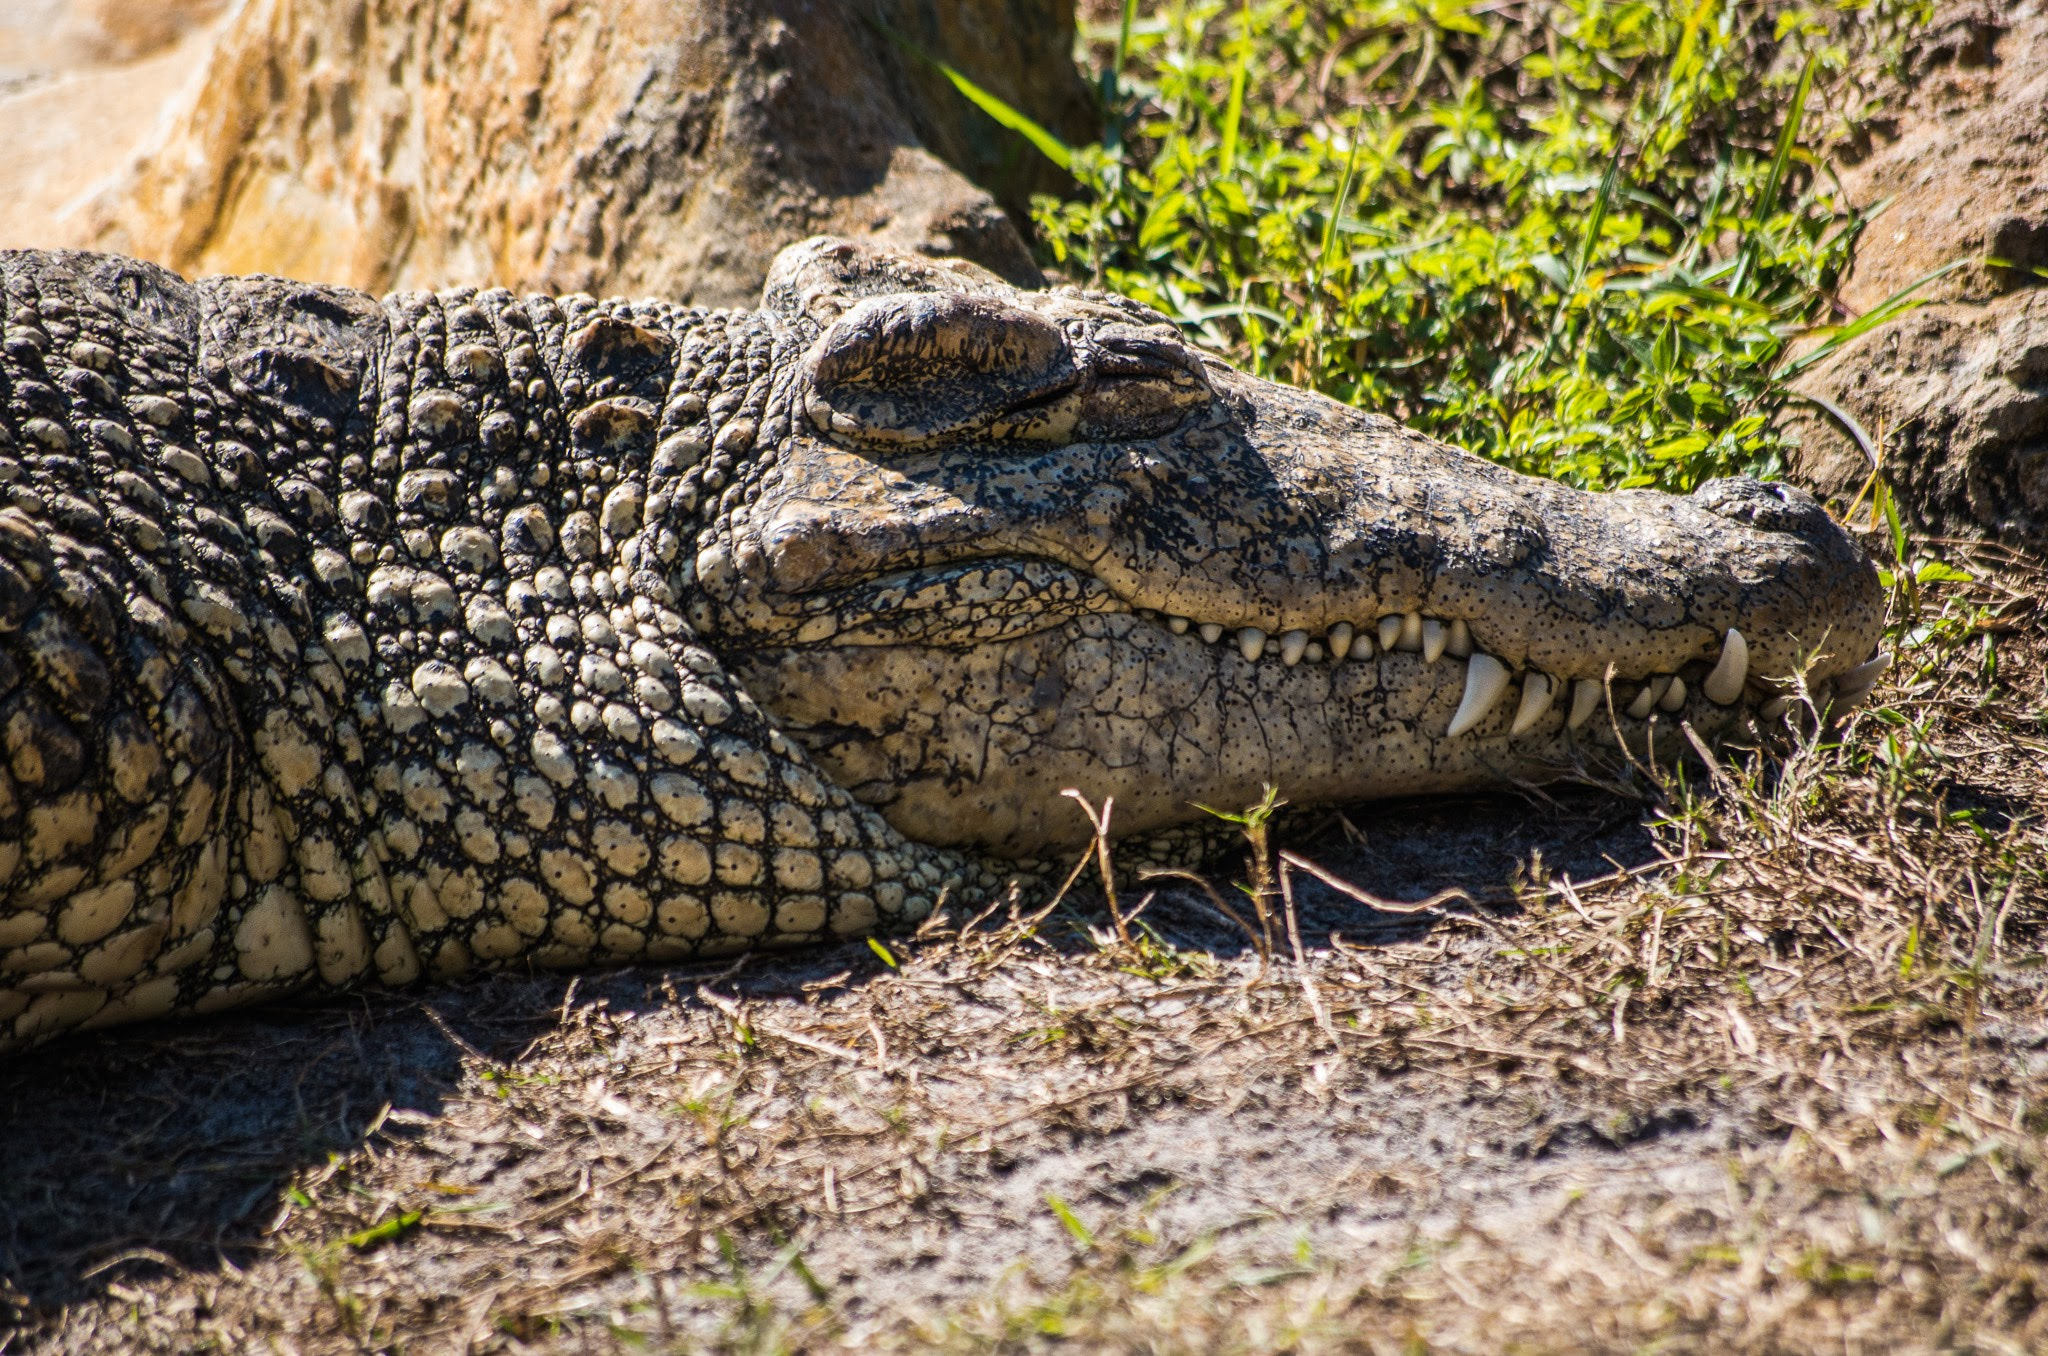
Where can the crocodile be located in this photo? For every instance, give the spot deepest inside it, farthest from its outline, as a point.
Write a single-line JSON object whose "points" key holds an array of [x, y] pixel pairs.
{"points": [[348, 641]]}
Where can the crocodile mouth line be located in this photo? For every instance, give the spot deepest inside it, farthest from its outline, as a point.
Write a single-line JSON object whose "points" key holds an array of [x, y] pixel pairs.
{"points": [[1726, 681], [1013, 596]]}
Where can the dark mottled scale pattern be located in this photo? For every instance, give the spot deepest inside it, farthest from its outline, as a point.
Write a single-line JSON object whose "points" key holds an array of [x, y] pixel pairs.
{"points": [[346, 641]]}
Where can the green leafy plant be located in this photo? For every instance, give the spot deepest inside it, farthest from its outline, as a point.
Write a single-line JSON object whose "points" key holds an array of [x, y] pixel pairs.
{"points": [[1594, 239]]}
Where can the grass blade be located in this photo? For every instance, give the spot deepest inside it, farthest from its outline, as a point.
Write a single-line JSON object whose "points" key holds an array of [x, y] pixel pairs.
{"points": [[1788, 139], [1774, 182], [1048, 145], [1845, 421], [1233, 112], [1681, 65], [1886, 311], [1065, 1213], [1337, 208], [1005, 114], [1587, 244], [1123, 43]]}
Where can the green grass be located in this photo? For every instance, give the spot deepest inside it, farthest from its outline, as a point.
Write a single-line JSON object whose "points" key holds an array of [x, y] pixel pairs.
{"points": [[1593, 240]]}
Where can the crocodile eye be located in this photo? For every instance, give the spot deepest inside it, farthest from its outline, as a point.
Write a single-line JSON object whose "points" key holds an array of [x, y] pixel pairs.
{"points": [[918, 369], [927, 367]]}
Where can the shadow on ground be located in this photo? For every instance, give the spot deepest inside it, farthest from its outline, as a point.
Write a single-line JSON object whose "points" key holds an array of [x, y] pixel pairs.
{"points": [[173, 1147], [1405, 852]]}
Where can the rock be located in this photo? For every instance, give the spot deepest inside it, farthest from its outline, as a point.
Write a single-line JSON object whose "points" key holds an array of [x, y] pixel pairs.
{"points": [[82, 83], [664, 147], [1958, 390], [1960, 393]]}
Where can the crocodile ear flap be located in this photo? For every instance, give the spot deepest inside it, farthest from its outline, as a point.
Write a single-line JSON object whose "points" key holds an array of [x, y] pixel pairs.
{"points": [[928, 367]]}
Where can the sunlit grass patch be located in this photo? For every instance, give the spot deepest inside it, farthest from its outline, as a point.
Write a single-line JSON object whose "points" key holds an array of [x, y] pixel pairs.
{"points": [[1593, 240]]}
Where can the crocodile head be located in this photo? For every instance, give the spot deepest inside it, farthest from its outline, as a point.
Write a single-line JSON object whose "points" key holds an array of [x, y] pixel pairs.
{"points": [[1009, 542]]}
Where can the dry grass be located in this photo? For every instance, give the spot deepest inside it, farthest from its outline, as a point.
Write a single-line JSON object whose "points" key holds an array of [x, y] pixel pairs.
{"points": [[1753, 1061]]}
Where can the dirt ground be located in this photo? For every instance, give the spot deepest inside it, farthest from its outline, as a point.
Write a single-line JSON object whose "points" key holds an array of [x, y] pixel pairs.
{"points": [[1754, 1060]]}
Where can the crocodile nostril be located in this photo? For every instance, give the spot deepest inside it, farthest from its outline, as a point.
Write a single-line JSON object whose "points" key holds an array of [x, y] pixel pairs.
{"points": [[1771, 505]]}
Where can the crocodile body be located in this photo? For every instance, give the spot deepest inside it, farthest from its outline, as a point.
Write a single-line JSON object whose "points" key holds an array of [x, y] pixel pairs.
{"points": [[347, 641]]}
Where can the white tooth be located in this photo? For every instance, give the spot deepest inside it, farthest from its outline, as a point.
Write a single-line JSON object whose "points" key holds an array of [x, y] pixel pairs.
{"points": [[1731, 671], [1585, 701], [1361, 645], [1411, 632], [1486, 678], [1537, 693], [1390, 630], [1293, 645], [1434, 634], [1459, 646], [1211, 633], [1863, 677], [1315, 652], [1177, 625], [1674, 696], [1251, 643], [1639, 709], [1340, 640], [1774, 709]]}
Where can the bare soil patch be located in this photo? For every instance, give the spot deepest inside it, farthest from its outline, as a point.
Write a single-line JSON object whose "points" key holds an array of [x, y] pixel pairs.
{"points": [[1754, 1060]]}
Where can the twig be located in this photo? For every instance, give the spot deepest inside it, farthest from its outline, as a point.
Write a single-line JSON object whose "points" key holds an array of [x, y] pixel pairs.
{"points": [[1372, 901], [1023, 928], [1216, 900], [1301, 970], [732, 1010], [1100, 823]]}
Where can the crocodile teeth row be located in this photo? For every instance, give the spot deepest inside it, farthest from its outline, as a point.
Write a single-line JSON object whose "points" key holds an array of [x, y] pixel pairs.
{"points": [[1410, 631], [1839, 697], [1487, 679]]}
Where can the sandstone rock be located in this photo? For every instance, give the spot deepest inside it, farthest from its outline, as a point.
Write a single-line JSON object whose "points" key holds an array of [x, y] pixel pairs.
{"points": [[633, 146], [1958, 390], [82, 83], [1959, 394]]}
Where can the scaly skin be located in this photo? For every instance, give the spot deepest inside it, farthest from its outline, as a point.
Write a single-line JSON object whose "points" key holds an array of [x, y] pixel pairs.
{"points": [[347, 642]]}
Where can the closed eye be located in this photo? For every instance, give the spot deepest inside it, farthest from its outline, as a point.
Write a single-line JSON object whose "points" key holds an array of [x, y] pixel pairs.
{"points": [[931, 370]]}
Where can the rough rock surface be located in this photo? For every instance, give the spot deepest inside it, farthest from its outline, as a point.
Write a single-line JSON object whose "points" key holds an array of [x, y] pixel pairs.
{"points": [[83, 84], [346, 641], [1957, 391], [660, 147]]}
